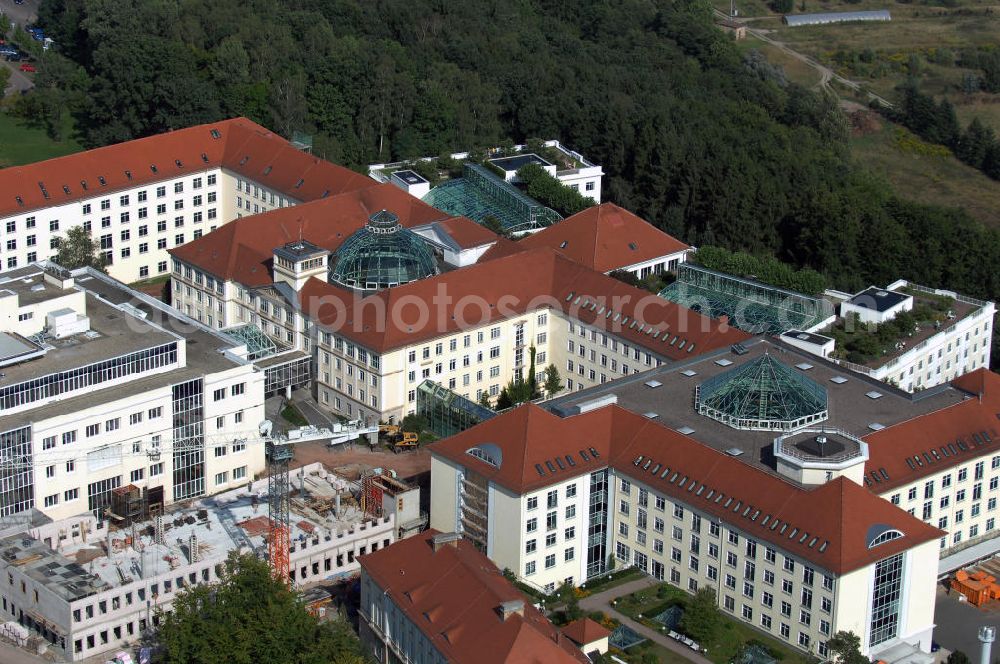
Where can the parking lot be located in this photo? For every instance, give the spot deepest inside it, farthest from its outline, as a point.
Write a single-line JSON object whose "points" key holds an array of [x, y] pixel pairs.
{"points": [[958, 624]]}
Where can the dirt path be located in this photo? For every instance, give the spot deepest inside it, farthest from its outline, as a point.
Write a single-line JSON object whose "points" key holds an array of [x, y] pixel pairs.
{"points": [[827, 75]]}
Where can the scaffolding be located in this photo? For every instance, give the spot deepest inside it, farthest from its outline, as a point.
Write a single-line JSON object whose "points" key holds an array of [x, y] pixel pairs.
{"points": [[259, 345], [479, 194], [446, 412], [751, 306], [762, 395], [278, 543]]}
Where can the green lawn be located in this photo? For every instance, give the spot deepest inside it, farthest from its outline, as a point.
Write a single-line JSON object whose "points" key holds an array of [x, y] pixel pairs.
{"points": [[292, 415], [612, 580], [730, 637], [20, 144]]}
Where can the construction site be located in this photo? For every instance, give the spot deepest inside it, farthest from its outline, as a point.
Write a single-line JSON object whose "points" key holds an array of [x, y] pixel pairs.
{"points": [[88, 586]]}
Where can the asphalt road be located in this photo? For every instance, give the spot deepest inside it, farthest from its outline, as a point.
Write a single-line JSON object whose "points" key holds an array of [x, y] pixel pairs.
{"points": [[958, 625], [23, 14], [19, 81]]}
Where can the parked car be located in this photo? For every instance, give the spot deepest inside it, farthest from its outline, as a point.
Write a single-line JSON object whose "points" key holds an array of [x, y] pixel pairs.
{"points": [[30, 69], [12, 57]]}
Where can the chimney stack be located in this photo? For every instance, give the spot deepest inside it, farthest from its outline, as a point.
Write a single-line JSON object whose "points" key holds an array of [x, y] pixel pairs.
{"points": [[445, 539], [509, 608]]}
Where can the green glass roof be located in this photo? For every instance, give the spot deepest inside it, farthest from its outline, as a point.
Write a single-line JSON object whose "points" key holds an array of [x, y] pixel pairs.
{"points": [[259, 345], [750, 305], [381, 255], [762, 394], [479, 194]]}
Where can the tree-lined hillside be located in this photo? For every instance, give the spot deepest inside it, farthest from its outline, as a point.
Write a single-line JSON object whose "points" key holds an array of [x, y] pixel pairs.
{"points": [[710, 146]]}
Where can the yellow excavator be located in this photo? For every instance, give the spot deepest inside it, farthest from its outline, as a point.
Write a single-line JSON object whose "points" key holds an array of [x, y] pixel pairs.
{"points": [[397, 439]]}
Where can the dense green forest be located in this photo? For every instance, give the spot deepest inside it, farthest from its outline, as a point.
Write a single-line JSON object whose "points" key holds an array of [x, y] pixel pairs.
{"points": [[710, 146]]}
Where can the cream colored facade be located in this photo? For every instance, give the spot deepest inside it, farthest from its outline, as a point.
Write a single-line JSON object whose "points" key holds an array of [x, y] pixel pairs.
{"points": [[550, 523], [961, 500], [119, 389], [755, 581], [134, 227]]}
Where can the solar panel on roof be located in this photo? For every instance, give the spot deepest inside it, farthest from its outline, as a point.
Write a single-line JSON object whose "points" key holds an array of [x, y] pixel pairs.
{"points": [[552, 469], [538, 469]]}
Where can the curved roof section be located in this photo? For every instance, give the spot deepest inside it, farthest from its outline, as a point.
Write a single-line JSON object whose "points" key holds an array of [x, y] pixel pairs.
{"points": [[605, 237], [382, 254], [762, 394]]}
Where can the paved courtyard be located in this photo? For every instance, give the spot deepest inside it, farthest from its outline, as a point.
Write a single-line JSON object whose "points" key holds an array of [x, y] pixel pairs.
{"points": [[958, 624]]}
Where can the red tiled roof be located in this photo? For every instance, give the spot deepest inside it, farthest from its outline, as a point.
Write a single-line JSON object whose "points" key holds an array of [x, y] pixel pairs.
{"points": [[196, 148], [584, 631], [836, 518], [971, 424], [242, 249], [467, 233], [506, 287], [605, 238], [453, 596]]}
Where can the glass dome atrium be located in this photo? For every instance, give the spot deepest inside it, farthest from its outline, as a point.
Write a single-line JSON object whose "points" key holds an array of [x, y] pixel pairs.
{"points": [[762, 395], [381, 255]]}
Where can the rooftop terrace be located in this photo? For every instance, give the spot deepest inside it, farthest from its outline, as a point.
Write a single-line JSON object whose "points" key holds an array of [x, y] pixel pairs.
{"points": [[856, 404]]}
